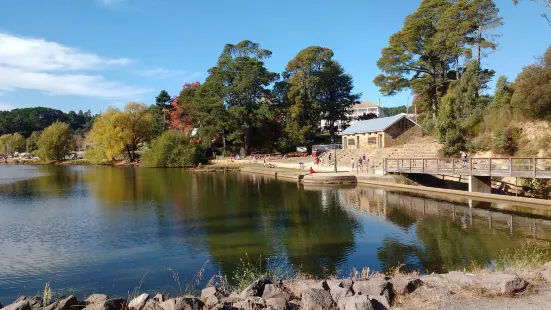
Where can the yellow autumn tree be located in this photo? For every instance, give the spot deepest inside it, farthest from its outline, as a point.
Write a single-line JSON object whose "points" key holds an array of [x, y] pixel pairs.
{"points": [[117, 132]]}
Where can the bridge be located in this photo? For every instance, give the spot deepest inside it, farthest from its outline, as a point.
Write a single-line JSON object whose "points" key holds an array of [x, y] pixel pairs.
{"points": [[479, 170]]}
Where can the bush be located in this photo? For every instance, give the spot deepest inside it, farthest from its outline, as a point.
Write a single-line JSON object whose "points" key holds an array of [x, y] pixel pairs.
{"points": [[505, 142], [173, 149], [94, 156]]}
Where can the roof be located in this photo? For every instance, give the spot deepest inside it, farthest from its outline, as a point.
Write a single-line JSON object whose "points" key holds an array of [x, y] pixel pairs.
{"points": [[374, 125], [364, 104]]}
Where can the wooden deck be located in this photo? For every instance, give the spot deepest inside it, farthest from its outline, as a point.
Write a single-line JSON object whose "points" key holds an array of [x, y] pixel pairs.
{"points": [[535, 168]]}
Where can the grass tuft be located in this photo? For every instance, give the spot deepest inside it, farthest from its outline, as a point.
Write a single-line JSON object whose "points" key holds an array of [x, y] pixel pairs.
{"points": [[273, 268], [528, 256], [47, 297]]}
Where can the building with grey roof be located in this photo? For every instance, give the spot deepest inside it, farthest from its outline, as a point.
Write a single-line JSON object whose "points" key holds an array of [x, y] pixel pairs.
{"points": [[379, 132]]}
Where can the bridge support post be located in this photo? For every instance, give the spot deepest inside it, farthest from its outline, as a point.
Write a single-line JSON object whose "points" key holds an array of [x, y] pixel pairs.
{"points": [[480, 184]]}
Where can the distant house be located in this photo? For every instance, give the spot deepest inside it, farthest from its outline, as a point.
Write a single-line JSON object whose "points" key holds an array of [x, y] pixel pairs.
{"points": [[378, 133], [364, 107]]}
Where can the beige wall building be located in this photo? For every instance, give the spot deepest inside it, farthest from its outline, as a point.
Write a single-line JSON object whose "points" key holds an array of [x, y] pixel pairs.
{"points": [[379, 133]]}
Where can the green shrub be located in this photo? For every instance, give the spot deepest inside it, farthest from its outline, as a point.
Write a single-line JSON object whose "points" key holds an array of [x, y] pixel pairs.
{"points": [[526, 257], [173, 149], [94, 156], [505, 142]]}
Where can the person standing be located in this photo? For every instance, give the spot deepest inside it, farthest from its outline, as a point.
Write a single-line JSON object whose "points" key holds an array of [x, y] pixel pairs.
{"points": [[352, 163], [360, 164], [464, 159]]}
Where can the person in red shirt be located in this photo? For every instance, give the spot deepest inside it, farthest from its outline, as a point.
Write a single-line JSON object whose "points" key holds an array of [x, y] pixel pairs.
{"points": [[311, 170]]}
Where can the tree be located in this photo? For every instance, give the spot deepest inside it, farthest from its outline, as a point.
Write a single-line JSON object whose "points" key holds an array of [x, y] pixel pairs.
{"points": [[503, 93], [240, 79], [544, 3], [55, 142], [32, 141], [450, 132], [179, 115], [335, 96], [532, 89], [115, 131], [10, 144], [173, 149], [315, 87], [161, 109], [420, 57], [367, 116]]}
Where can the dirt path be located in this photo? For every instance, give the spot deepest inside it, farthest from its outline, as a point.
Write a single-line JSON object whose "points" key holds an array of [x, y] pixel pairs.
{"points": [[425, 299]]}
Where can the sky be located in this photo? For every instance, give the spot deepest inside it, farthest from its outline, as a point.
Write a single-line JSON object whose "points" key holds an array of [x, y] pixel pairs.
{"points": [[92, 54]]}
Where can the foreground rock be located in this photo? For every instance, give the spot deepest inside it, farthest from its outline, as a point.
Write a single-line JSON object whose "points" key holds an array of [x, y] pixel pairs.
{"points": [[377, 293], [182, 303], [68, 303], [139, 302], [96, 299], [21, 305]]}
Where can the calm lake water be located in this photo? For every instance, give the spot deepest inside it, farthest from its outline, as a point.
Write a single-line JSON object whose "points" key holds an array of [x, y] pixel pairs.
{"points": [[96, 229]]}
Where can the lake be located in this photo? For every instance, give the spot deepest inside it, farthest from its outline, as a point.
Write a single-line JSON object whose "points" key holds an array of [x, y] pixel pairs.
{"points": [[103, 229]]}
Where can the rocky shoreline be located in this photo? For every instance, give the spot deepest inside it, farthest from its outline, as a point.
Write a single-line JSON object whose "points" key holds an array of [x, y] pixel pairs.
{"points": [[377, 292]]}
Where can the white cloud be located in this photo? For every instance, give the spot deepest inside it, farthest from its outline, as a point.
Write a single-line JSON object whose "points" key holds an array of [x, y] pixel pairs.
{"points": [[65, 84], [162, 73], [42, 55], [5, 106], [37, 64]]}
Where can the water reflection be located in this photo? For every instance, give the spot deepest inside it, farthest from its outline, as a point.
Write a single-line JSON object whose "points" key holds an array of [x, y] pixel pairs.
{"points": [[100, 229]]}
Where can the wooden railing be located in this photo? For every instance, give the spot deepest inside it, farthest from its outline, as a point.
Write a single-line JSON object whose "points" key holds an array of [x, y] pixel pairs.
{"points": [[499, 167]]}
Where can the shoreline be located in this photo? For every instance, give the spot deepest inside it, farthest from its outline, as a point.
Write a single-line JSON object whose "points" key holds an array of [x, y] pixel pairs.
{"points": [[361, 290], [327, 178]]}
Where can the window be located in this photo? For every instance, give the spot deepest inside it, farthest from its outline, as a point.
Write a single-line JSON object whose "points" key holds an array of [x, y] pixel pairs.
{"points": [[372, 140], [351, 141]]}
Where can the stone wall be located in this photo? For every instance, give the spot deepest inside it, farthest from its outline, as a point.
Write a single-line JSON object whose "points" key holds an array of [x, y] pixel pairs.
{"points": [[399, 133], [364, 141]]}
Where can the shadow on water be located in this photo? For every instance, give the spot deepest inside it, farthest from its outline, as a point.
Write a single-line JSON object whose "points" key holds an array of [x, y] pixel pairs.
{"points": [[98, 229]]}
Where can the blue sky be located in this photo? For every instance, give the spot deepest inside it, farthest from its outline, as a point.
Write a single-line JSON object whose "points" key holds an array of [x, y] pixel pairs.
{"points": [[91, 54]]}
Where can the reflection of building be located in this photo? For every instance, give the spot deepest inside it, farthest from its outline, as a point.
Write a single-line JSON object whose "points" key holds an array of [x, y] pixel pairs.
{"points": [[361, 109], [377, 133]]}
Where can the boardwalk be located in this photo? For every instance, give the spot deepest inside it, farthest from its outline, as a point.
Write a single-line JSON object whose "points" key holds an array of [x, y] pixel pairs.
{"points": [[537, 168]]}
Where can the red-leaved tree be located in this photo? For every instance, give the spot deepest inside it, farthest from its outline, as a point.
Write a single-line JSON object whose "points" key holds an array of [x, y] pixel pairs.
{"points": [[178, 119]]}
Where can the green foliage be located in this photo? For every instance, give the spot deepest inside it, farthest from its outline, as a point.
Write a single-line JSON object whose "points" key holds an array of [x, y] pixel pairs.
{"points": [[28, 120], [420, 57], [160, 111], [55, 142], [10, 144], [528, 256], [503, 94], [115, 131], [95, 155], [505, 141], [450, 132], [532, 89], [32, 141], [391, 111], [274, 269], [173, 149], [315, 87], [239, 83]]}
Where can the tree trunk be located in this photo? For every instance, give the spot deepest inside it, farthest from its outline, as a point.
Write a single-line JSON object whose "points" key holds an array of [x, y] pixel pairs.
{"points": [[128, 152], [247, 144], [457, 73], [478, 47]]}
